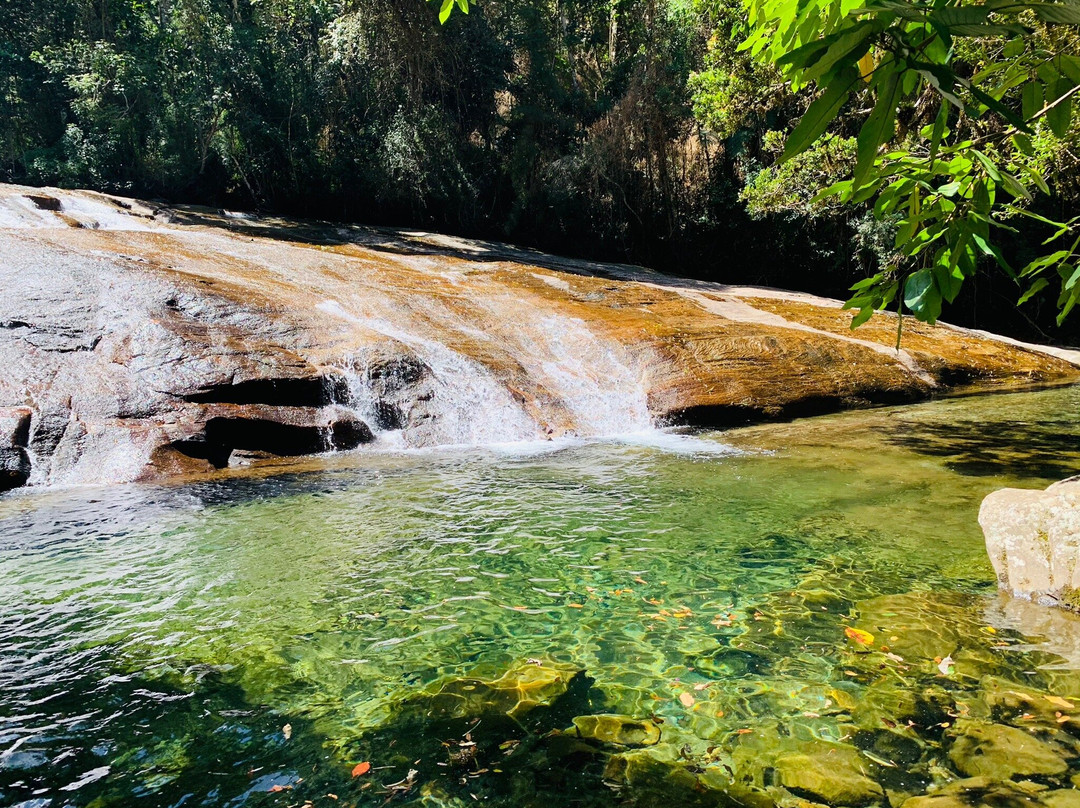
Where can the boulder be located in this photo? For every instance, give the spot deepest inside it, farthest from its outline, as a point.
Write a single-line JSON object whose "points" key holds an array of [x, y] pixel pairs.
{"points": [[1033, 538], [830, 773], [997, 750], [987, 791]]}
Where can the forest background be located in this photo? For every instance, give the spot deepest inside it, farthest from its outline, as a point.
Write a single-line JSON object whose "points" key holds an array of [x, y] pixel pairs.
{"points": [[620, 130]]}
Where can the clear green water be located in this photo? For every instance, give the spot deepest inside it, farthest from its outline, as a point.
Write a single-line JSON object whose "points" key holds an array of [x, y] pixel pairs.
{"points": [[155, 640]]}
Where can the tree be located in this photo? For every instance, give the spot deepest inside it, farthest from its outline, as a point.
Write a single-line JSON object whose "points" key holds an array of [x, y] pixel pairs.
{"points": [[957, 102]]}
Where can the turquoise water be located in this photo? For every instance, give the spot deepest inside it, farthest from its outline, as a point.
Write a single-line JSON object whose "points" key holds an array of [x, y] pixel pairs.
{"points": [[156, 640]]}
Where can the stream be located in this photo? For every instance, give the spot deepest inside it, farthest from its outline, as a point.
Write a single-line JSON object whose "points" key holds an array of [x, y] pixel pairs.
{"points": [[250, 640]]}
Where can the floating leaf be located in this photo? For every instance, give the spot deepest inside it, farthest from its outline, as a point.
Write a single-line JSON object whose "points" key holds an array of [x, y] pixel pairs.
{"points": [[686, 699], [859, 636], [287, 731], [361, 769], [946, 666]]}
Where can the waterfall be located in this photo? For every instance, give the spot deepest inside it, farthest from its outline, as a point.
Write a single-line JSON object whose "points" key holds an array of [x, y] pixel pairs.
{"points": [[580, 385]]}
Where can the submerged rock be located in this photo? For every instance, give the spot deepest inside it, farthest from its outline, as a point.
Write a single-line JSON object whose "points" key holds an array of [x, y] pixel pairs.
{"points": [[996, 750], [618, 730], [1033, 539], [986, 791], [139, 325], [830, 773], [517, 691]]}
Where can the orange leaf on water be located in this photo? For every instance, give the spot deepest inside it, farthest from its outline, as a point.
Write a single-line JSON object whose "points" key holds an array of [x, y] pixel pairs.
{"points": [[361, 768], [686, 699], [859, 636]]}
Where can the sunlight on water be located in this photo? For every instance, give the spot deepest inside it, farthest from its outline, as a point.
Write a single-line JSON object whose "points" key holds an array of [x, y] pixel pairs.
{"points": [[154, 641]]}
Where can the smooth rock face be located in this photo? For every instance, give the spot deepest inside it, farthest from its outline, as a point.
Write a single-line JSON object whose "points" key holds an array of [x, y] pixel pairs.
{"points": [[146, 342], [1033, 538]]}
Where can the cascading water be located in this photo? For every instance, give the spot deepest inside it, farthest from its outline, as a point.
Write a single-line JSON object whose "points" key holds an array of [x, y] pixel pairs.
{"points": [[589, 389]]}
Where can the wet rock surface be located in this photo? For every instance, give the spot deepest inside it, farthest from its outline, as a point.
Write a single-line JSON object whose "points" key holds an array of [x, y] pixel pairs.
{"points": [[1033, 539], [147, 342]]}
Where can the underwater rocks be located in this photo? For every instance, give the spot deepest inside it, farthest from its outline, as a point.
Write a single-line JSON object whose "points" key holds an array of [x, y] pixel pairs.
{"points": [[980, 791], [516, 692], [1033, 539], [996, 750], [617, 730], [139, 324]]}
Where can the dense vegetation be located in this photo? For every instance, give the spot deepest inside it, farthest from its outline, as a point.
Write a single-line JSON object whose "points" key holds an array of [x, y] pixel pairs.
{"points": [[618, 129]]}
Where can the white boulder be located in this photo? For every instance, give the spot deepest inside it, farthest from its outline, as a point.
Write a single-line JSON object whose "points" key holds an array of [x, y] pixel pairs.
{"points": [[1033, 538]]}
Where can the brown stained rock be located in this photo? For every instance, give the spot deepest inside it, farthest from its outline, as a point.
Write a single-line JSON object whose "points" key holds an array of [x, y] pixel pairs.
{"points": [[132, 324], [953, 356], [996, 750]]}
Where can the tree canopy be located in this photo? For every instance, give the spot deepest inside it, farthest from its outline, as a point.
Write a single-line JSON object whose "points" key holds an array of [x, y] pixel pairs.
{"points": [[628, 130]]}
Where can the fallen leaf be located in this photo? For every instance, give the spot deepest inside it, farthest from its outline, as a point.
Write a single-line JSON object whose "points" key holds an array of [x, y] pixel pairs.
{"points": [[640, 581], [859, 636], [361, 768], [743, 731], [702, 685], [686, 699], [1057, 701], [945, 666], [274, 789], [574, 606], [287, 731]]}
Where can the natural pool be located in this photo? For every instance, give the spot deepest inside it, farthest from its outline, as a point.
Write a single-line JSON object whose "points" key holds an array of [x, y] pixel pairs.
{"points": [[156, 641]]}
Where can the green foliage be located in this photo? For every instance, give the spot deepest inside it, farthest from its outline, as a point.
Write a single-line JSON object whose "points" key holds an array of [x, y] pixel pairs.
{"points": [[956, 93], [618, 129], [795, 184]]}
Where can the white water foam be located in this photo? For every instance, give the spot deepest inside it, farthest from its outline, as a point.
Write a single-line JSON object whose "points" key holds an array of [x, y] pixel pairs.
{"points": [[474, 408]]}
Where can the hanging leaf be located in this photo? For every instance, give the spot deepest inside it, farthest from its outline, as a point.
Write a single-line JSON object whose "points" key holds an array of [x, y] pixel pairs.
{"points": [[1060, 115], [878, 128]]}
